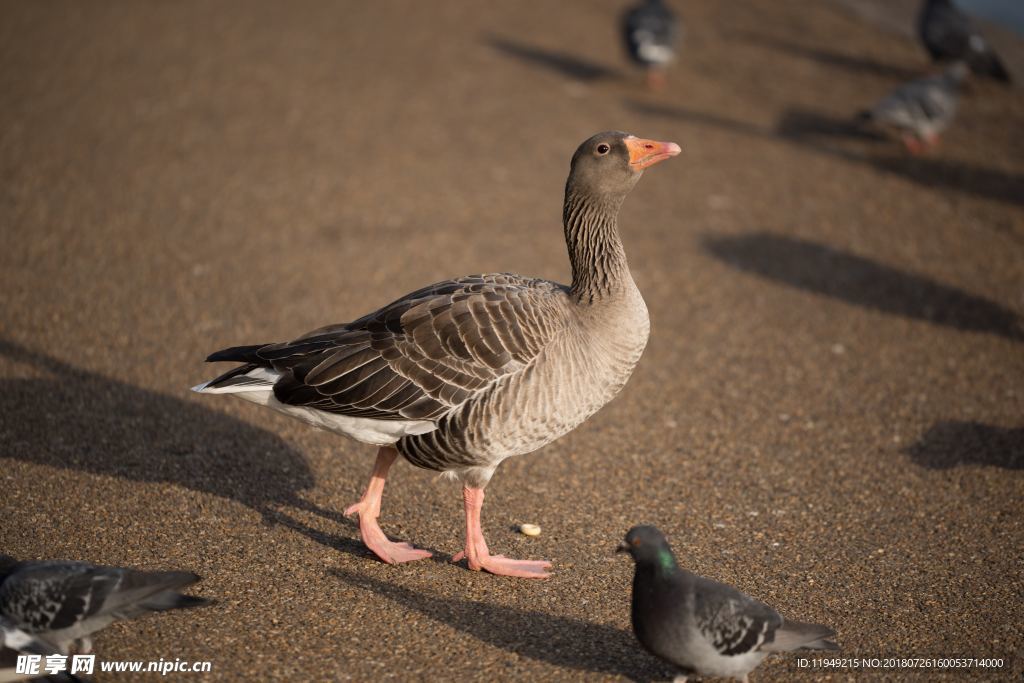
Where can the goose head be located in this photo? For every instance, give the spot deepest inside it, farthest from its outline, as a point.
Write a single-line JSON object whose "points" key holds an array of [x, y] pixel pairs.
{"points": [[609, 164]]}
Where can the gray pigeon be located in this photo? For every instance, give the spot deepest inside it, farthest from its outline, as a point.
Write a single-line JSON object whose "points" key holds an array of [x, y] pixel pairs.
{"points": [[948, 35], [45, 607], [921, 109], [651, 32], [701, 626]]}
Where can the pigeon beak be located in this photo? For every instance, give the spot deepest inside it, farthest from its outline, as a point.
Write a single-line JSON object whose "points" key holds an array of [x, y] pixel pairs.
{"points": [[646, 153], [622, 548]]}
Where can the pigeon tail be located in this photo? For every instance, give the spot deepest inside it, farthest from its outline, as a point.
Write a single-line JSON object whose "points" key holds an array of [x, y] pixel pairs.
{"points": [[171, 600], [796, 635], [997, 71]]}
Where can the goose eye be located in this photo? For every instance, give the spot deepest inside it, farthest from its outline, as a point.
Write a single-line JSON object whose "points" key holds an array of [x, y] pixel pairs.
{"points": [[603, 148]]}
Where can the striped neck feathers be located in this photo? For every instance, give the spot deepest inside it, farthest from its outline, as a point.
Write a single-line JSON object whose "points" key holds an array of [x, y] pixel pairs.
{"points": [[598, 260]]}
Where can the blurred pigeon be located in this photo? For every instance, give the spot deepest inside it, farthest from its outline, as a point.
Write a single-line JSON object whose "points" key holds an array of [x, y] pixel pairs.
{"points": [[651, 32], [948, 35], [47, 606], [921, 109], [701, 626]]}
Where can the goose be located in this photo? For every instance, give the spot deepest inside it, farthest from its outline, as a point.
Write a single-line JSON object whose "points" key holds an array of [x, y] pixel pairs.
{"points": [[460, 375]]}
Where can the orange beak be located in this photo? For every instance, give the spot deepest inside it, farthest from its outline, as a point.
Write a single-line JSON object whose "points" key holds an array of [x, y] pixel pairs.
{"points": [[646, 153]]}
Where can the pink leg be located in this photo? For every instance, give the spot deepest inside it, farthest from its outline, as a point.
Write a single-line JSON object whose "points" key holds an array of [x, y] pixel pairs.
{"points": [[656, 78], [913, 145], [476, 547], [369, 509]]}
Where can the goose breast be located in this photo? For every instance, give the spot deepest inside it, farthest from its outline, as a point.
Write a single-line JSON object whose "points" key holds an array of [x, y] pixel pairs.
{"points": [[581, 368]]}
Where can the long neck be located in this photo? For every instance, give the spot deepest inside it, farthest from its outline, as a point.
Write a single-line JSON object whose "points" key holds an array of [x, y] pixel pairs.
{"points": [[599, 267]]}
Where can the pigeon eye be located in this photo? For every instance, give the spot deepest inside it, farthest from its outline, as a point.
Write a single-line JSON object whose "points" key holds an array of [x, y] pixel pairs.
{"points": [[603, 148]]}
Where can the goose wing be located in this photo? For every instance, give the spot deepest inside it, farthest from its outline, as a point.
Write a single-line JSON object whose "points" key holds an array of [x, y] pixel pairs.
{"points": [[417, 358]]}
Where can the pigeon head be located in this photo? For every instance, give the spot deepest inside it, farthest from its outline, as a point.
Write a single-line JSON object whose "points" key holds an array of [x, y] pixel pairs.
{"points": [[610, 163], [648, 546]]}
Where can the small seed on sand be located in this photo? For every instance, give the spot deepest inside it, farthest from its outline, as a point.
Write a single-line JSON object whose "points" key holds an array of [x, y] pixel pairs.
{"points": [[529, 529]]}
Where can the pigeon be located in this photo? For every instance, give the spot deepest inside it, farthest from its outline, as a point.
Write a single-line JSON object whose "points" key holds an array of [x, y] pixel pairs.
{"points": [[651, 32], [701, 626], [948, 35], [46, 607], [920, 110]]}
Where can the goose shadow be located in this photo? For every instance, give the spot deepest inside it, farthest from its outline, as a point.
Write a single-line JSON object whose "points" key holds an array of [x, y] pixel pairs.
{"points": [[75, 419], [562, 63], [831, 272], [952, 443], [561, 641]]}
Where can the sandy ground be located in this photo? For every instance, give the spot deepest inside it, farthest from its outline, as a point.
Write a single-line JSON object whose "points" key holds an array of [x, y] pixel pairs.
{"points": [[830, 413]]}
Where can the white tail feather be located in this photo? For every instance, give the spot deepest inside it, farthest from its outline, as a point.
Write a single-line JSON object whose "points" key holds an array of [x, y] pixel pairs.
{"points": [[258, 380], [257, 386]]}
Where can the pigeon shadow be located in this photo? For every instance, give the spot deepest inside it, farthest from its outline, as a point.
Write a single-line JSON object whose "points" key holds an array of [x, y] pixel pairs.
{"points": [[817, 132], [698, 118], [562, 63], [76, 419], [860, 281], [562, 641], [820, 134], [799, 125], [830, 58], [952, 443], [943, 173]]}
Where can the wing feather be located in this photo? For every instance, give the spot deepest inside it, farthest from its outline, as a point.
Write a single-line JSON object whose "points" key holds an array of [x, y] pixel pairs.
{"points": [[732, 622], [423, 355]]}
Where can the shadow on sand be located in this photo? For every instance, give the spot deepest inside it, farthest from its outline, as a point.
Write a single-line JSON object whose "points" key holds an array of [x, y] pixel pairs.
{"points": [[983, 182], [832, 58], [823, 134], [697, 118], [953, 443], [815, 131], [561, 641], [804, 126], [562, 63], [857, 280], [76, 419]]}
